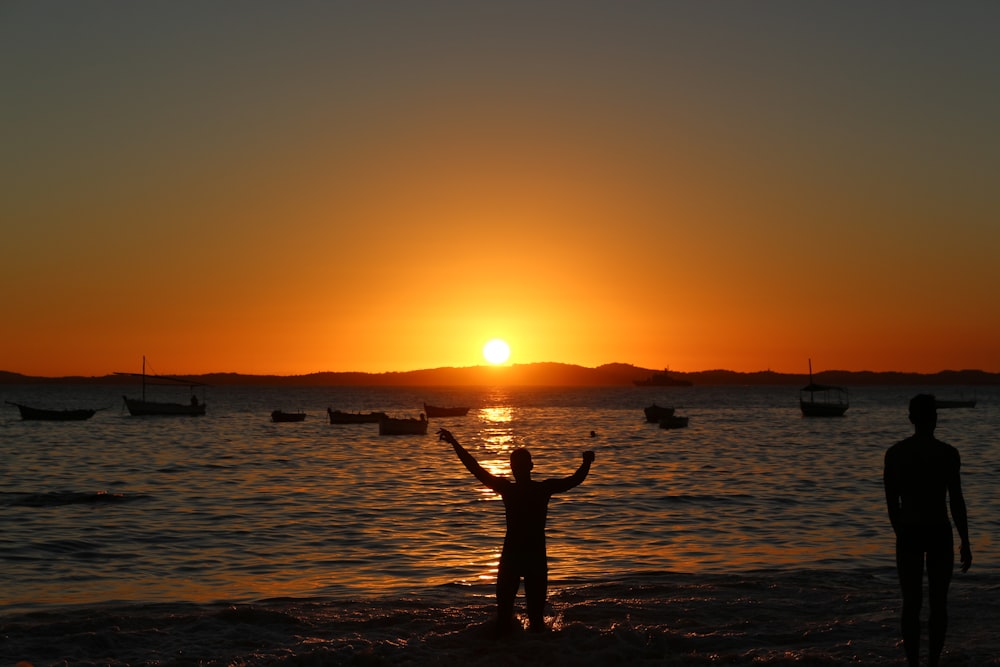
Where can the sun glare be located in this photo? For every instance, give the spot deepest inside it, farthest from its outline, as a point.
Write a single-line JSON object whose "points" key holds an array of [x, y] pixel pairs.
{"points": [[496, 351]]}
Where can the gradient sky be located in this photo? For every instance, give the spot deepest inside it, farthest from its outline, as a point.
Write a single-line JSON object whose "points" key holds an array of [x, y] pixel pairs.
{"points": [[290, 187]]}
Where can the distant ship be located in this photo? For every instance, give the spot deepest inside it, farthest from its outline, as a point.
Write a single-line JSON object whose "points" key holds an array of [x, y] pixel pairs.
{"points": [[661, 380]]}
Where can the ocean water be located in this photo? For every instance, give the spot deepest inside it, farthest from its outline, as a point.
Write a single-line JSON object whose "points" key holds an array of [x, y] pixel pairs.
{"points": [[754, 536]]}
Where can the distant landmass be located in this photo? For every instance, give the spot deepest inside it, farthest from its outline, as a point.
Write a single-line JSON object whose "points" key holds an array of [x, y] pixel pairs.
{"points": [[545, 375]]}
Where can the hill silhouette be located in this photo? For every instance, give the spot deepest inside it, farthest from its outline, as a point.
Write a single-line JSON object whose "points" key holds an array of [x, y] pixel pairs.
{"points": [[547, 374]]}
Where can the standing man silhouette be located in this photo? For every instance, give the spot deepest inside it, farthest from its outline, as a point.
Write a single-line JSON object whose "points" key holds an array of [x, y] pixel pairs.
{"points": [[526, 504], [921, 478]]}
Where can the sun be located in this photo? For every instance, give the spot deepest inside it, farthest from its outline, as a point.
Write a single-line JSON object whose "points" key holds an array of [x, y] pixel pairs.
{"points": [[496, 351]]}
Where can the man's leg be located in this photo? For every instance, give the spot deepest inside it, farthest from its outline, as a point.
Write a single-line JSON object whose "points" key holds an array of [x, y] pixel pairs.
{"points": [[940, 564], [507, 585], [536, 587], [910, 567]]}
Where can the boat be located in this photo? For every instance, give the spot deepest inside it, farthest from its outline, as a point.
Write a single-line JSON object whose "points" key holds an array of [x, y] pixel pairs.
{"points": [[942, 403], [437, 411], [140, 407], [409, 426], [654, 413], [822, 400], [673, 421], [338, 417], [43, 414], [664, 379], [281, 416]]}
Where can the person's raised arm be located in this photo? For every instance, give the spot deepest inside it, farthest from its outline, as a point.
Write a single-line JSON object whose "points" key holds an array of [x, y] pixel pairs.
{"points": [[956, 500], [469, 460], [567, 483]]}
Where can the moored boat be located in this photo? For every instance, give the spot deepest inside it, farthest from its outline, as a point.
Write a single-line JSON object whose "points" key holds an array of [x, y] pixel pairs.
{"points": [[673, 421], [654, 413], [822, 400], [140, 407], [438, 411], [282, 416], [339, 417], [406, 426], [44, 414]]}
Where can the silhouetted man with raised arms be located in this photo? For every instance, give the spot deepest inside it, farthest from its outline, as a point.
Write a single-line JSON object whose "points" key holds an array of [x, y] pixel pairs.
{"points": [[921, 478], [526, 504]]}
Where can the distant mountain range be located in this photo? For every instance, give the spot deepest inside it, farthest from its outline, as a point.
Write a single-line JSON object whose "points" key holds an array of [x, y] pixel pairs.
{"points": [[543, 375]]}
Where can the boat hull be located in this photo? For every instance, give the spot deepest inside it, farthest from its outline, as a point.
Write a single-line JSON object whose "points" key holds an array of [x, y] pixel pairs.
{"points": [[139, 408], [390, 426], [437, 411], [814, 409], [338, 417], [29, 413], [654, 413], [674, 421]]}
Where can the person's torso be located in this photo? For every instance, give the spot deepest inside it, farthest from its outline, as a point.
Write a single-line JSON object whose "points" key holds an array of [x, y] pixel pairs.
{"points": [[526, 505], [922, 468]]}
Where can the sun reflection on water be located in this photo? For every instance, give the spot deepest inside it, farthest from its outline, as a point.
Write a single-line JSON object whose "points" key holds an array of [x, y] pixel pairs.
{"points": [[497, 430]]}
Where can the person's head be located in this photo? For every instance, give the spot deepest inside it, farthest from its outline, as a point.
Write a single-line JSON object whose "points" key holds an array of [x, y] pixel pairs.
{"points": [[520, 463], [923, 411]]}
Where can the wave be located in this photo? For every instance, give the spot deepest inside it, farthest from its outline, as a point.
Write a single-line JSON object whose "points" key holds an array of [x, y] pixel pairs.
{"points": [[813, 617]]}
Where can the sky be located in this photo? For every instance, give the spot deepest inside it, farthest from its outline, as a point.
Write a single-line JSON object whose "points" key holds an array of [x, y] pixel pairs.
{"points": [[295, 187]]}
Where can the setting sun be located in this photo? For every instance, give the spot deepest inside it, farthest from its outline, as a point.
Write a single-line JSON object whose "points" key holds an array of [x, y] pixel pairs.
{"points": [[496, 351]]}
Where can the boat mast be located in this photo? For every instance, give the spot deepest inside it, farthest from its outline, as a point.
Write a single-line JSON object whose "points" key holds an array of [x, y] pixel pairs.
{"points": [[811, 398], [144, 378]]}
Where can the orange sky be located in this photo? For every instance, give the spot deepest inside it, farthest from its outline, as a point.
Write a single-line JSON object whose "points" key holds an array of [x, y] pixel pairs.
{"points": [[288, 188]]}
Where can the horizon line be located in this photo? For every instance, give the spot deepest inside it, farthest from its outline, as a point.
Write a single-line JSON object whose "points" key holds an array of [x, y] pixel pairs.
{"points": [[499, 367]]}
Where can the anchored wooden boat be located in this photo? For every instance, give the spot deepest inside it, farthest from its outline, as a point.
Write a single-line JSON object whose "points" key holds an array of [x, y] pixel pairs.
{"points": [[673, 421], [44, 414], [281, 416], [140, 407], [338, 417], [822, 400], [654, 413], [393, 426], [438, 411]]}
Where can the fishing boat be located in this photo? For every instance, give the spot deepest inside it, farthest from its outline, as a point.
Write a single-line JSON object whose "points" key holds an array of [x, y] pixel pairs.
{"points": [[339, 417], [654, 413], [282, 416], [822, 400], [140, 407], [43, 414], [437, 411], [393, 426]]}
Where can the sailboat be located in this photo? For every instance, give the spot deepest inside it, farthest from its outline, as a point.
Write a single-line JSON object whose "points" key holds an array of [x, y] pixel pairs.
{"points": [[140, 407], [822, 400]]}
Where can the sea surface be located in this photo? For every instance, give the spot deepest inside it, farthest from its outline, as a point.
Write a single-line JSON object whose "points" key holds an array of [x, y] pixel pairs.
{"points": [[753, 537]]}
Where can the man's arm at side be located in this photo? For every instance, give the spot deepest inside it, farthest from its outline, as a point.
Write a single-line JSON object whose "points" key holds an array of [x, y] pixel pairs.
{"points": [[959, 515], [891, 492]]}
